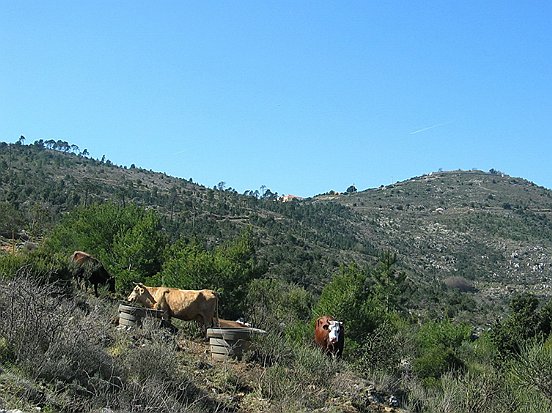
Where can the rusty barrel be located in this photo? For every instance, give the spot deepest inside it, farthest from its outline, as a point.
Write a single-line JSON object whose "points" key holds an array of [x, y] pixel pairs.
{"points": [[230, 343], [132, 316]]}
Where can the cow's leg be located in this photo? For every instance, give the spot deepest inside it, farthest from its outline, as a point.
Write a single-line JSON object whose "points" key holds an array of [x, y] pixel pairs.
{"points": [[213, 322], [86, 281], [201, 322], [80, 278]]}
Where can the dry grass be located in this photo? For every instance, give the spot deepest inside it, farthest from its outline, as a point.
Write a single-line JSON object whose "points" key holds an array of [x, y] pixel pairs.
{"points": [[63, 354]]}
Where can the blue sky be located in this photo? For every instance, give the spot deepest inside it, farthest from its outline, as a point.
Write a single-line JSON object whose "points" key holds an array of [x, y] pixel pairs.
{"points": [[301, 97]]}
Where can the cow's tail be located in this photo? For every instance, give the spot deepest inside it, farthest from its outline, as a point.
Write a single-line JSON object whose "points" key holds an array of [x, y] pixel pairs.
{"points": [[216, 322]]}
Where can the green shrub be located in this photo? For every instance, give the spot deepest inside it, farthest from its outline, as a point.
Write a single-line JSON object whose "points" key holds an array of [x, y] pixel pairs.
{"points": [[438, 344], [481, 393], [271, 349], [345, 298], [524, 323], [531, 371], [435, 361], [277, 305], [10, 264], [37, 265], [126, 240], [487, 391], [5, 351], [383, 350], [11, 219], [228, 269]]}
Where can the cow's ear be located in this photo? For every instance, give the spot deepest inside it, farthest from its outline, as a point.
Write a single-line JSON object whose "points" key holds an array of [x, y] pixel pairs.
{"points": [[326, 326]]}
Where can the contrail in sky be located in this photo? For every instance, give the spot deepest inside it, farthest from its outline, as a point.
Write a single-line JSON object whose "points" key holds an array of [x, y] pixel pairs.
{"points": [[428, 128]]}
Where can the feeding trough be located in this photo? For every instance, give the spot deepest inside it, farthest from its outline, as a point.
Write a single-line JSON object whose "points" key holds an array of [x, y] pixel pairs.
{"points": [[230, 343], [132, 316]]}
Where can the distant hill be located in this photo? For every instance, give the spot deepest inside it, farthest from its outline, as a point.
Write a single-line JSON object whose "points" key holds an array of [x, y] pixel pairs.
{"points": [[491, 231], [490, 228]]}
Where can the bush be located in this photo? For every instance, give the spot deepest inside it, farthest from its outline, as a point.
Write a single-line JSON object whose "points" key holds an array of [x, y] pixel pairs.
{"points": [[78, 355], [128, 241], [228, 269], [11, 220], [475, 393], [31, 319], [153, 380], [390, 344], [55, 340], [531, 371], [435, 361], [10, 265], [346, 299], [438, 344], [487, 391], [280, 306], [525, 322], [39, 267], [296, 372]]}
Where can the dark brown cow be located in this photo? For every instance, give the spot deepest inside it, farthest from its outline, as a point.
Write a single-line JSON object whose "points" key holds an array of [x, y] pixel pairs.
{"points": [[89, 270], [187, 305], [329, 335]]}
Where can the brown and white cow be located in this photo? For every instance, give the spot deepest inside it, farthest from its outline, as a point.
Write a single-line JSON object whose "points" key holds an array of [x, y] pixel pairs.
{"points": [[187, 305], [329, 335], [89, 270]]}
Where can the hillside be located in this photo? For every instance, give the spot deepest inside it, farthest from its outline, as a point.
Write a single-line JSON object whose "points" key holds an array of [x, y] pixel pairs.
{"points": [[422, 273], [486, 227], [300, 242], [492, 230]]}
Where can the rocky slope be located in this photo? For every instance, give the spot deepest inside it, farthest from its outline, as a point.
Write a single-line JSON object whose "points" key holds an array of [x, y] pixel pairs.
{"points": [[486, 227]]}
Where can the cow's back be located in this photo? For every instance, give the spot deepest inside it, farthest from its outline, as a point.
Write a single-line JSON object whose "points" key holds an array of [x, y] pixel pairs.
{"points": [[81, 257], [189, 305]]}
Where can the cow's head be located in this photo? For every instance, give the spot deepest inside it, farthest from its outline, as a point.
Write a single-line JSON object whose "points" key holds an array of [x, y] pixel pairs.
{"points": [[332, 328], [335, 328], [141, 294]]}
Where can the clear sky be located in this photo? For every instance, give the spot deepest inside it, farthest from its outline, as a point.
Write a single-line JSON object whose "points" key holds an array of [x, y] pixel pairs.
{"points": [[302, 97]]}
